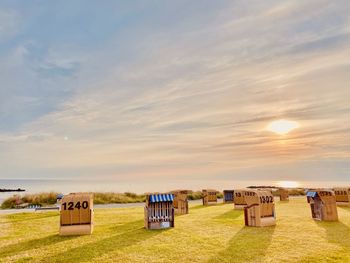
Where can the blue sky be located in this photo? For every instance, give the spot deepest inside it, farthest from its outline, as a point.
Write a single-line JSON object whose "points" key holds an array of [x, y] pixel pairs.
{"points": [[174, 91]]}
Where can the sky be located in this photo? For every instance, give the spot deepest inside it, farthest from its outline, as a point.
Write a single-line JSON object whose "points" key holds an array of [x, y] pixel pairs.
{"points": [[175, 92]]}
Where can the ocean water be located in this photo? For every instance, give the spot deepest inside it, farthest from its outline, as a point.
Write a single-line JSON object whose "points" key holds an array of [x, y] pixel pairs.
{"points": [[66, 186], [60, 186]]}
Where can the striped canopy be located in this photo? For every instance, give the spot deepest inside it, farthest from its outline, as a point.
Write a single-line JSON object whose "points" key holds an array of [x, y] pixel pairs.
{"points": [[311, 194], [161, 198]]}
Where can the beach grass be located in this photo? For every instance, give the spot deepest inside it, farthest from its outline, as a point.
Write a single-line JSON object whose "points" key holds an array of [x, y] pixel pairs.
{"points": [[48, 199], [208, 234]]}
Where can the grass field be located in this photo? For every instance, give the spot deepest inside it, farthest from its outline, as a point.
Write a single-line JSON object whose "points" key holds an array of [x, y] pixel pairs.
{"points": [[207, 234]]}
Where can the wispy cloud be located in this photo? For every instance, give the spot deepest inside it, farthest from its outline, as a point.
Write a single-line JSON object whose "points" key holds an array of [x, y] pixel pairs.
{"points": [[188, 100]]}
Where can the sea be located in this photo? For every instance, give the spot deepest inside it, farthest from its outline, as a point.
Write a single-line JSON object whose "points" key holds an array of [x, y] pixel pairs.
{"points": [[66, 186]]}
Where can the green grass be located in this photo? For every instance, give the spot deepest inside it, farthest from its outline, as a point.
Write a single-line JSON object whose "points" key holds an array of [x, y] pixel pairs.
{"points": [[207, 234]]}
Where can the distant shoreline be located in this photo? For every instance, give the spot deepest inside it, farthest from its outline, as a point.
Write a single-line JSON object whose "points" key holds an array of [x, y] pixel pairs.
{"points": [[66, 186], [12, 190]]}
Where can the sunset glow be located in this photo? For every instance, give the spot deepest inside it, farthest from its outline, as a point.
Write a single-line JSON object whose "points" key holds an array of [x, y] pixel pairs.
{"points": [[209, 96], [282, 126], [288, 184]]}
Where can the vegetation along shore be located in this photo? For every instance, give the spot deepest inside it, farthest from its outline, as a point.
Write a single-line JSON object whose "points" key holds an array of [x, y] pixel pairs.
{"points": [[49, 199]]}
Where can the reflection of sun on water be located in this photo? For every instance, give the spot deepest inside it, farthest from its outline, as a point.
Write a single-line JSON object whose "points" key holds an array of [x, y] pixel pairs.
{"points": [[288, 184], [282, 127]]}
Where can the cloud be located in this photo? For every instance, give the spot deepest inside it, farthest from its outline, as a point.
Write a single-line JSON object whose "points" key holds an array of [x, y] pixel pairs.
{"points": [[9, 24], [191, 100], [45, 81]]}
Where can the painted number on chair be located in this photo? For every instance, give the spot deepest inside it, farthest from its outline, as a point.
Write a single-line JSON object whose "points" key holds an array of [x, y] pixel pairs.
{"points": [[77, 205], [266, 199]]}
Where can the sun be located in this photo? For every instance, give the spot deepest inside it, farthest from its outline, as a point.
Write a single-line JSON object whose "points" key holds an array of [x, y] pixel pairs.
{"points": [[282, 127], [288, 184]]}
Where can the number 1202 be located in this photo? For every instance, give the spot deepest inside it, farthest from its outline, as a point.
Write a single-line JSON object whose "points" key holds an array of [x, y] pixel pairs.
{"points": [[71, 206]]}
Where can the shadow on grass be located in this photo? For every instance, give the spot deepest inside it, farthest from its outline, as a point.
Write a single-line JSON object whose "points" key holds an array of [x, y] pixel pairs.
{"points": [[232, 214], [337, 232], [180, 215], [15, 218], [127, 226], [126, 235], [205, 206], [248, 245], [31, 244]]}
